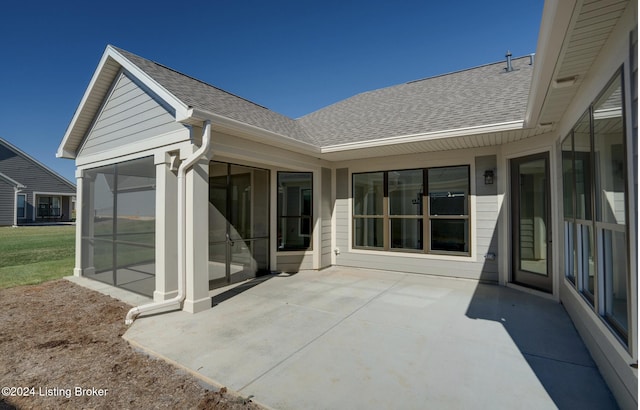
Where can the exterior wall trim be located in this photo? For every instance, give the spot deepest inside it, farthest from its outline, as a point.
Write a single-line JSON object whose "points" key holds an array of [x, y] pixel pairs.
{"points": [[556, 19], [36, 194], [456, 132], [612, 360], [513, 151]]}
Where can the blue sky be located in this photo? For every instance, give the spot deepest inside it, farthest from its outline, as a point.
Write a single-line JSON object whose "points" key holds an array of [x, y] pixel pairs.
{"points": [[292, 57]]}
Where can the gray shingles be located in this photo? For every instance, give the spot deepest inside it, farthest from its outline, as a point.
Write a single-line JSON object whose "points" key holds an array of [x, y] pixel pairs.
{"points": [[479, 96], [201, 95]]}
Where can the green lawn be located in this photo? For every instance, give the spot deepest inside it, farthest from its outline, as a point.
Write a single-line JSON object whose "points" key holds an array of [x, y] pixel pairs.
{"points": [[35, 254]]}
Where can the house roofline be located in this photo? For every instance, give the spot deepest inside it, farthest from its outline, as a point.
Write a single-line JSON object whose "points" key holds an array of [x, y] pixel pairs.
{"points": [[556, 19], [65, 150], [190, 115], [38, 163], [426, 136], [251, 132]]}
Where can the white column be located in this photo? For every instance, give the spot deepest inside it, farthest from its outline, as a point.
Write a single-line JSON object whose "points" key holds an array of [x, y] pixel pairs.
{"points": [[197, 238], [15, 206], [316, 223], [166, 229], [84, 225], [273, 221]]}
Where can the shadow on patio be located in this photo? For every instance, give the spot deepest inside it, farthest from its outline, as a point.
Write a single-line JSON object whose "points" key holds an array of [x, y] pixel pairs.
{"points": [[361, 338], [545, 336]]}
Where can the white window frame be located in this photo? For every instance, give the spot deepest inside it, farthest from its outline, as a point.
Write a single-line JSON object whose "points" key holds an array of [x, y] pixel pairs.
{"points": [[38, 194]]}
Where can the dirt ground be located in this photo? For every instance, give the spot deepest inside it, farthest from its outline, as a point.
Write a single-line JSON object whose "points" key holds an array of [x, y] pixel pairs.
{"points": [[61, 347]]}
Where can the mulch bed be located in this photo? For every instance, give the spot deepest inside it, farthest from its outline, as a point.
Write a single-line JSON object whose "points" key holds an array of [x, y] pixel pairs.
{"points": [[61, 347]]}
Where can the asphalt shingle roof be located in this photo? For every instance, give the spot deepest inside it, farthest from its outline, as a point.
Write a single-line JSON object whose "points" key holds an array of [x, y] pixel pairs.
{"points": [[198, 94], [478, 96]]}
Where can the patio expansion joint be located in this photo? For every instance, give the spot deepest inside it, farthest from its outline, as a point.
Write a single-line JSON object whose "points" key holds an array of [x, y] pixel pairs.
{"points": [[329, 329], [553, 359]]}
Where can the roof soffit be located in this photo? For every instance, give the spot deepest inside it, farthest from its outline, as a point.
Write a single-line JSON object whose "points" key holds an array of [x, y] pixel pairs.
{"points": [[572, 34], [295, 134]]}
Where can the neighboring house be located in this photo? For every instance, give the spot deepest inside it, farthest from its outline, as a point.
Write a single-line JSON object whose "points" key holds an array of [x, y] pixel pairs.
{"points": [[30, 192], [521, 173]]}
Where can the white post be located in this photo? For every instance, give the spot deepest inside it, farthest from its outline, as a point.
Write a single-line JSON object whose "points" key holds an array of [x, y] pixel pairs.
{"points": [[197, 238], [82, 222], [166, 229], [15, 206]]}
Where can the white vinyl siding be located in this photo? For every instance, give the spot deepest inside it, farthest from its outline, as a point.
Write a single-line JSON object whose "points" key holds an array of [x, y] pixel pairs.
{"points": [[325, 212], [130, 114], [294, 262]]}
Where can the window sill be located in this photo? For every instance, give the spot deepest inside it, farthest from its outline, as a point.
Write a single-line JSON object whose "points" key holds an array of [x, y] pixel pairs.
{"points": [[420, 255]]}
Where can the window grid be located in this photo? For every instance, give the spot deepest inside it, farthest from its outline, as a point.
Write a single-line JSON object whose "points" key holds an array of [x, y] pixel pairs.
{"points": [[424, 216], [588, 231]]}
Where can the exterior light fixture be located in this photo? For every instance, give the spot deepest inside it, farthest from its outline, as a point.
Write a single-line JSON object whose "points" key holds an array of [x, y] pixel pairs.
{"points": [[488, 177]]}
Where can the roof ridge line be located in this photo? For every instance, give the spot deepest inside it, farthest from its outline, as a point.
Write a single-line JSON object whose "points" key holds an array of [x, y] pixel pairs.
{"points": [[465, 69]]}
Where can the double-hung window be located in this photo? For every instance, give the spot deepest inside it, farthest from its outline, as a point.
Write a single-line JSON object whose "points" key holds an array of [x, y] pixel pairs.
{"points": [[412, 210], [369, 210], [449, 209], [406, 190]]}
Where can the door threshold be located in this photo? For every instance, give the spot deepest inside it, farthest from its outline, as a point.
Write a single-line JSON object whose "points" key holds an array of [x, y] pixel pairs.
{"points": [[531, 291]]}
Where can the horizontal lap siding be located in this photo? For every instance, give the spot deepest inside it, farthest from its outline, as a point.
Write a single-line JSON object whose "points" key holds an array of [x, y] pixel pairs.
{"points": [[486, 215], [405, 263], [484, 222], [295, 263], [342, 209], [129, 115], [34, 176], [7, 198], [326, 243], [325, 258], [342, 224]]}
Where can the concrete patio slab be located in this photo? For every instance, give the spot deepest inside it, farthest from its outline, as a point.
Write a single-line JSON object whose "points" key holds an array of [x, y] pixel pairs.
{"points": [[356, 338], [123, 295]]}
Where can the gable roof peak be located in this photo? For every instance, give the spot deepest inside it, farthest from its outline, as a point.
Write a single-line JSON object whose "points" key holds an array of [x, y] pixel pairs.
{"points": [[132, 56]]}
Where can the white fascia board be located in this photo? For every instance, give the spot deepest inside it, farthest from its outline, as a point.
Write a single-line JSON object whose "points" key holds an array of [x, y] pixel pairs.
{"points": [[427, 136], [556, 20], [256, 133], [63, 152], [181, 109]]}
